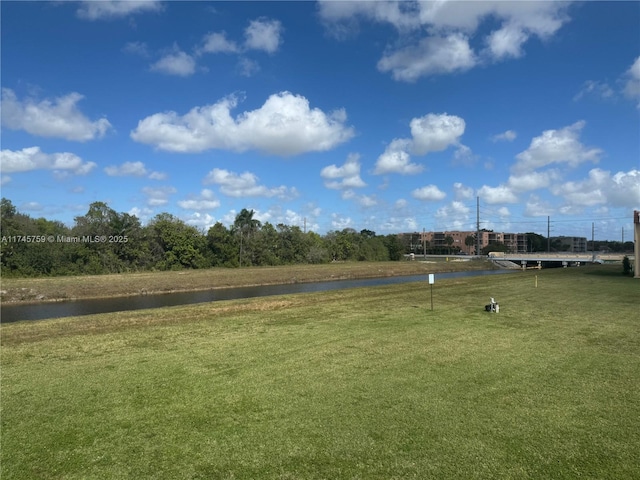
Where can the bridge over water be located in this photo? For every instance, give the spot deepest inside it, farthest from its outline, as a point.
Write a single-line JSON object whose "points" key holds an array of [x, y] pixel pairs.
{"points": [[535, 260], [527, 260]]}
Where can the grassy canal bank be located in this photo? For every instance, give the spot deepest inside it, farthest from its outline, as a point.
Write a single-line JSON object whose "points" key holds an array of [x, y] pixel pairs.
{"points": [[361, 383], [43, 289]]}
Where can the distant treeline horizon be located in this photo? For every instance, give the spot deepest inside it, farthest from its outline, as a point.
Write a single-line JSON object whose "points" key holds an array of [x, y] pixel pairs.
{"points": [[104, 241]]}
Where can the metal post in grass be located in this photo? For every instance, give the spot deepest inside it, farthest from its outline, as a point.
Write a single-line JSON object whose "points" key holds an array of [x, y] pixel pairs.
{"points": [[432, 279]]}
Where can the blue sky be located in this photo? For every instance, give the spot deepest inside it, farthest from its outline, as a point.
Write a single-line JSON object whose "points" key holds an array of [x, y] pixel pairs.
{"points": [[381, 115]]}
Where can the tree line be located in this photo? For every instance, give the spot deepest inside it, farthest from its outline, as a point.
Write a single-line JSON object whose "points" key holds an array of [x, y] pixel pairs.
{"points": [[106, 241]]}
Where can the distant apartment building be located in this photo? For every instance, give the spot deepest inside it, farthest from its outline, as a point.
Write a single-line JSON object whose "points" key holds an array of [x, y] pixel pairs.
{"points": [[516, 242], [570, 244], [439, 240], [455, 241]]}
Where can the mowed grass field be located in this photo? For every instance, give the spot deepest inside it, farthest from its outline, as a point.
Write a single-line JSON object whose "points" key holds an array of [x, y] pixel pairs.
{"points": [[354, 384]]}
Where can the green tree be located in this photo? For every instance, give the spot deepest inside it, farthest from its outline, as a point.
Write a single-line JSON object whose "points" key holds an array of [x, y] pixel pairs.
{"points": [[131, 243], [181, 245], [10, 254], [93, 255], [626, 266], [294, 245], [50, 258], [223, 246], [395, 247], [536, 242], [470, 241], [372, 249], [317, 252], [367, 233], [343, 245], [264, 246], [449, 241], [7, 209], [30, 258], [99, 220], [245, 226]]}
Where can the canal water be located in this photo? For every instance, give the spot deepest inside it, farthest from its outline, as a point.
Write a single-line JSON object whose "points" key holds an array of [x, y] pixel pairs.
{"points": [[42, 311]]}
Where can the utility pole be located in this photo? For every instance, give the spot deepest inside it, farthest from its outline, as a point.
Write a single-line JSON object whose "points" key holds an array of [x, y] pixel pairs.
{"points": [[593, 245], [548, 234], [424, 244], [477, 225], [305, 225]]}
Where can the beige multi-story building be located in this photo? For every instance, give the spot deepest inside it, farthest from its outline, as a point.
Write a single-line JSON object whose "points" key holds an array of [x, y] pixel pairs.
{"points": [[464, 241]]}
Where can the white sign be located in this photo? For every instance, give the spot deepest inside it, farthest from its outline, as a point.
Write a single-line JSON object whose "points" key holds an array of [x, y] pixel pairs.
{"points": [[432, 279]]}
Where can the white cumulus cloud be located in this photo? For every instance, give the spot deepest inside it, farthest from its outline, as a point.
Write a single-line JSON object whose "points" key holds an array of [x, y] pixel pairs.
{"points": [[462, 192], [144, 214], [532, 180], [435, 132], [132, 169], [109, 9], [499, 194], [216, 42], [365, 201], [430, 193], [285, 125], [205, 201], [32, 158], [200, 220], [175, 62], [431, 56], [339, 222], [263, 34], [158, 196], [245, 184], [592, 88], [507, 41], [507, 136], [537, 207], [601, 188], [247, 67], [396, 159], [59, 117], [561, 146], [434, 37], [454, 216], [346, 176], [430, 133]]}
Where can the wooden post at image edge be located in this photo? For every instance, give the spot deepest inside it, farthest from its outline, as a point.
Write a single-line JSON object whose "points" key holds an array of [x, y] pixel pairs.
{"points": [[636, 243]]}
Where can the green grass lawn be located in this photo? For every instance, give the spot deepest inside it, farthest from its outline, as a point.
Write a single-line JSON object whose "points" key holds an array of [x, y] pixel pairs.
{"points": [[355, 384]]}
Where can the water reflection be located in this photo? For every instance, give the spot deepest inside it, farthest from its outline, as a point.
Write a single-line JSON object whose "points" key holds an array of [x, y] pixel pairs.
{"points": [[15, 313]]}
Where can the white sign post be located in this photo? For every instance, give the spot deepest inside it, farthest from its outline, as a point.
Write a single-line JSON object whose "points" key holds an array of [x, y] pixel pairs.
{"points": [[432, 279]]}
